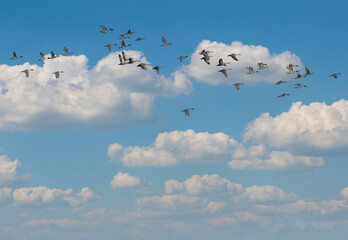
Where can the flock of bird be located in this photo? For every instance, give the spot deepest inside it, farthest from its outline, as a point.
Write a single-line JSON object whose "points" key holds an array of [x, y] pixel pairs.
{"points": [[206, 57]]}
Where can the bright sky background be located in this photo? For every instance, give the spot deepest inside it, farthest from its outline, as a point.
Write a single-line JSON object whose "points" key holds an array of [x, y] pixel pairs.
{"points": [[105, 152]]}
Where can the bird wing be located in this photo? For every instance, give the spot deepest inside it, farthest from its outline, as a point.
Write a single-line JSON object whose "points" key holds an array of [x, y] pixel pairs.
{"points": [[121, 61], [307, 70], [124, 56], [221, 62], [14, 54], [164, 40], [42, 55], [123, 43]]}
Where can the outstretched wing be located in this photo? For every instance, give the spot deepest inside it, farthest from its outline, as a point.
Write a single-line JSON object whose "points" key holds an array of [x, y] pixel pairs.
{"points": [[164, 40]]}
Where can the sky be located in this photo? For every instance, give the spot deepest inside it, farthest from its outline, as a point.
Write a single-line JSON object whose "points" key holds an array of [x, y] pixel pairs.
{"points": [[105, 151]]}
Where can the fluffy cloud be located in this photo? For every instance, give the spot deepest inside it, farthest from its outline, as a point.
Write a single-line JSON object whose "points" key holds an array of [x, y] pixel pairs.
{"points": [[124, 180], [38, 196], [344, 192], [315, 126], [171, 148], [205, 184], [264, 193], [105, 96], [8, 172], [256, 157], [250, 56]]}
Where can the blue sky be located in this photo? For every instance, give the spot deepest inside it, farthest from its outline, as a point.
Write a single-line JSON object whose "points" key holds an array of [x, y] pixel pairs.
{"points": [[105, 150]]}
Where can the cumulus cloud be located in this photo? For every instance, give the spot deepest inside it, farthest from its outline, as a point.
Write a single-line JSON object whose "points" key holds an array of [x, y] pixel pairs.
{"points": [[344, 192], [316, 126], [250, 56], [202, 184], [264, 193], [105, 96], [8, 172], [174, 147], [38, 196], [124, 180]]}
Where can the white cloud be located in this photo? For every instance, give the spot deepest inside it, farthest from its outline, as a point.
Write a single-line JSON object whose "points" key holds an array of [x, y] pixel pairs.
{"points": [[344, 192], [52, 222], [250, 56], [315, 126], [264, 193], [171, 148], [239, 217], [124, 180], [105, 96], [38, 196], [8, 172], [276, 160], [205, 184]]}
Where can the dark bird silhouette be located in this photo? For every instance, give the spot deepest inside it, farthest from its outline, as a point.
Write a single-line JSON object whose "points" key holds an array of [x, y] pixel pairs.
{"points": [[283, 95], [187, 111], [164, 41], [66, 52], [14, 56], [157, 68]]}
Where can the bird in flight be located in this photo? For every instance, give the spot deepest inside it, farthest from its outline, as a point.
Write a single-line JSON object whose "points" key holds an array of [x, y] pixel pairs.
{"points": [[129, 32], [224, 71], [66, 52], [187, 111], [110, 45], [335, 75], [123, 44], [143, 65], [57, 74], [182, 57], [26, 71], [234, 56], [280, 82], [222, 63], [139, 39], [262, 65], [308, 72], [105, 29], [164, 41], [157, 68], [14, 56], [237, 85], [298, 85], [251, 70], [42, 57], [122, 36], [299, 75], [290, 67], [283, 95], [53, 56]]}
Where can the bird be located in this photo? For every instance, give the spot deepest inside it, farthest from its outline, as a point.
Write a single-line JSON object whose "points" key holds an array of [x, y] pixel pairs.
{"points": [[53, 56], [206, 58], [121, 60], [165, 43], [307, 72], [187, 111], [157, 68], [182, 57], [105, 29], [298, 85], [222, 63], [234, 56], [123, 44], [15, 56], [237, 85], [299, 75], [224, 71], [42, 57], [122, 36], [129, 32], [143, 65], [290, 67], [139, 39], [262, 65], [110, 45], [283, 95], [204, 52], [57, 74], [124, 57], [335, 75], [280, 82], [26, 71], [251, 70], [66, 52], [131, 61]]}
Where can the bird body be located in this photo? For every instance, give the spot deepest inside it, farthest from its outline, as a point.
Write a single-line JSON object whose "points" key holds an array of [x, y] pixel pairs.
{"points": [[42, 57], [105, 29], [298, 85], [110, 45], [299, 75], [122, 36], [66, 52], [280, 82], [182, 57], [139, 39], [290, 67], [237, 85], [187, 111], [14, 56], [335, 75], [143, 65], [157, 68], [251, 70], [283, 95], [234, 56], [224, 71], [262, 65], [53, 56], [57, 74], [164, 41], [26, 71], [308, 72], [123, 44], [129, 32], [222, 63]]}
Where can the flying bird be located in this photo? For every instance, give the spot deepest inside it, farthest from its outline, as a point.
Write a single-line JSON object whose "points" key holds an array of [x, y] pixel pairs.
{"points": [[335, 75], [222, 63], [143, 65], [42, 57], [157, 68], [299, 75], [139, 39], [122, 36], [182, 57], [123, 44], [262, 65], [66, 52], [15, 56], [234, 56], [187, 111], [290, 67], [298, 85], [122, 62], [237, 85], [110, 45], [283, 95], [165, 43], [224, 71], [251, 70], [308, 72], [53, 56], [204, 52], [129, 32], [57, 74], [105, 29], [26, 71], [280, 82]]}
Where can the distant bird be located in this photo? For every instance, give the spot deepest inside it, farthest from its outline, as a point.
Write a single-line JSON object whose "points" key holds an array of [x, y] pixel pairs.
{"points": [[280, 82], [165, 43], [283, 95], [122, 36], [299, 75], [237, 85], [204, 52], [262, 65], [123, 44], [234, 56], [42, 57], [298, 85], [131, 61], [110, 45], [143, 65], [308, 72], [26, 71], [206, 59], [122, 62], [66, 52], [57, 74], [15, 56], [105, 29], [251, 70], [182, 57], [129, 32], [53, 56], [224, 71], [187, 111], [290, 67], [335, 75], [222, 63], [157, 68], [139, 39]]}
